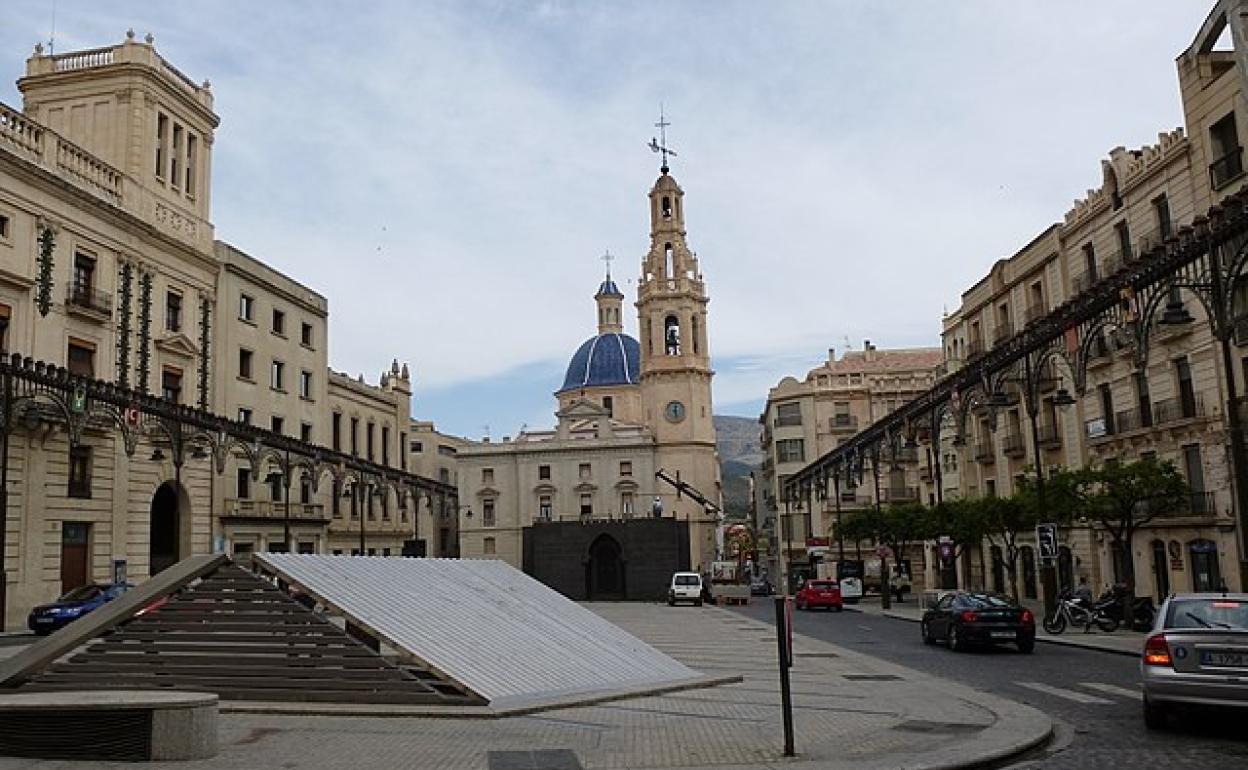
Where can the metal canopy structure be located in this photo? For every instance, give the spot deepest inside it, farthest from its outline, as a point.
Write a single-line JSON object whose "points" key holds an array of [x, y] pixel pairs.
{"points": [[1203, 261], [484, 626]]}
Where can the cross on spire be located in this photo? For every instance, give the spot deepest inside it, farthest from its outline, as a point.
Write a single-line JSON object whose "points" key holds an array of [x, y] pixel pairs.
{"points": [[660, 146], [608, 258]]}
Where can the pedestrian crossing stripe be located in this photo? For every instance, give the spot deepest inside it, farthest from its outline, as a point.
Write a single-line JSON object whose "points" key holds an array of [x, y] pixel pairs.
{"points": [[1071, 695], [1113, 689]]}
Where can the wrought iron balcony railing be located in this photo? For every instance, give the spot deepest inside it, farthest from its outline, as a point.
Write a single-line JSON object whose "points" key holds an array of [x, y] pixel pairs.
{"points": [[1186, 407], [270, 509], [1226, 168], [842, 422], [87, 297], [984, 452], [1013, 444], [1050, 435], [1002, 331]]}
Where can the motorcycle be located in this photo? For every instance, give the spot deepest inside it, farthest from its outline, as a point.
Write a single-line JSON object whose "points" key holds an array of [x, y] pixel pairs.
{"points": [[1143, 612], [1076, 612]]}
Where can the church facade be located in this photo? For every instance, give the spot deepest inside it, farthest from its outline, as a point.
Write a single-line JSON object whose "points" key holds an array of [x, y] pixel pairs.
{"points": [[585, 494]]}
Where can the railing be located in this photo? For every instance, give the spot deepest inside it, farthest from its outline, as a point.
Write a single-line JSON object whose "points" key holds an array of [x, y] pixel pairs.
{"points": [[926, 474], [271, 509], [787, 422], [1050, 437], [1082, 282], [1226, 168], [19, 131], [1002, 331], [1201, 503], [1013, 445], [985, 453], [86, 296], [1117, 260], [90, 169], [1034, 311], [900, 494], [975, 348], [840, 422], [81, 60], [1151, 240], [1185, 407], [1128, 420]]}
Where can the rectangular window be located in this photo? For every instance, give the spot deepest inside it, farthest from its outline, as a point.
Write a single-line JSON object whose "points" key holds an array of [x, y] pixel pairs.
{"points": [[305, 334], [402, 450], [788, 414], [626, 504], [487, 513], [1161, 206], [335, 427], [385, 445], [626, 468], [1107, 407], [6, 313], [608, 403], [487, 476], [4, 227], [368, 440], [335, 501], [192, 147], [79, 471], [1227, 163], [80, 358], [791, 450], [305, 491], [244, 363], [277, 424], [162, 136], [243, 487], [1089, 259], [1143, 399], [305, 384], [171, 384], [1187, 392], [543, 471], [277, 375], [275, 487], [355, 436], [487, 546], [84, 277], [1124, 239], [175, 157], [587, 505], [173, 311], [544, 507], [418, 447], [584, 471], [305, 432], [279, 322], [244, 415], [246, 307]]}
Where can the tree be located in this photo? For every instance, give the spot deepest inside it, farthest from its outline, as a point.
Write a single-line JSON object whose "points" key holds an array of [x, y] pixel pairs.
{"points": [[1004, 520], [1122, 498], [964, 522]]}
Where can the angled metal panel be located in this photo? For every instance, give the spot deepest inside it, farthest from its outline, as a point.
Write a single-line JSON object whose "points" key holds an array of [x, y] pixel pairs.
{"points": [[482, 624]]}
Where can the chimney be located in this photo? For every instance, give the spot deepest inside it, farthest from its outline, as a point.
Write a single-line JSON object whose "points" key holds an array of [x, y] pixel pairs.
{"points": [[831, 355]]}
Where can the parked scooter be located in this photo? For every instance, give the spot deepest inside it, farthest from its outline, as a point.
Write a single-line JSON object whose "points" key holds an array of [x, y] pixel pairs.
{"points": [[1077, 612], [1143, 611]]}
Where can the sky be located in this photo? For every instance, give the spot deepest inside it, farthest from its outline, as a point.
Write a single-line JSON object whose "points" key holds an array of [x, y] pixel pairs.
{"points": [[449, 173]]}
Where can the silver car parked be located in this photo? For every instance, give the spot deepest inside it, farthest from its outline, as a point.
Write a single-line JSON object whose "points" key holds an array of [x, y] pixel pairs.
{"points": [[1196, 655]]}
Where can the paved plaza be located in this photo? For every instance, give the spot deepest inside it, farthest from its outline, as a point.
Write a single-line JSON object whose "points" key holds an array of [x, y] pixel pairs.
{"points": [[850, 711]]}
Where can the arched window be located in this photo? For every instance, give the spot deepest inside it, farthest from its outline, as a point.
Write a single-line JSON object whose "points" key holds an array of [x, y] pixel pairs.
{"points": [[666, 209], [669, 263], [649, 338], [671, 335], [695, 334]]}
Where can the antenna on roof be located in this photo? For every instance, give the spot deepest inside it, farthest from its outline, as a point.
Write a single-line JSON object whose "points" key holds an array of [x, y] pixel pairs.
{"points": [[52, 34]]}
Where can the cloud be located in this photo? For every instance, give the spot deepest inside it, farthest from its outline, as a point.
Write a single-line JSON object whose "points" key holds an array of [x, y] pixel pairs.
{"points": [[449, 172]]}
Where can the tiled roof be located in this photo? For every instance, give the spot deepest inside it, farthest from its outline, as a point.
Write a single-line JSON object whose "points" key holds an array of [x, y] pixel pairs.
{"points": [[896, 361]]}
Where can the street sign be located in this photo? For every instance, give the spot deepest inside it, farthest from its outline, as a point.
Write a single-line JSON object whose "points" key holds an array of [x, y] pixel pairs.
{"points": [[132, 416], [946, 549], [1046, 538]]}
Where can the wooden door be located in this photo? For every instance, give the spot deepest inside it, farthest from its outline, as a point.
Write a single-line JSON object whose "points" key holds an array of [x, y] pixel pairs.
{"points": [[75, 564]]}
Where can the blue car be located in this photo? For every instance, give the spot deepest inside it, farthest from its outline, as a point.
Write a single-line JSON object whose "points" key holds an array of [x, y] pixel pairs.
{"points": [[47, 618]]}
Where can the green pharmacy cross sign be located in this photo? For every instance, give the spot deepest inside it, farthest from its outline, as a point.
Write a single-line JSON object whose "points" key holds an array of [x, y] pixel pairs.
{"points": [[78, 404]]}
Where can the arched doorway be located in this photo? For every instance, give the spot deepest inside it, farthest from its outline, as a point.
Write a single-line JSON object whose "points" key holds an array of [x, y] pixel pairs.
{"points": [[1206, 576], [165, 534], [604, 571]]}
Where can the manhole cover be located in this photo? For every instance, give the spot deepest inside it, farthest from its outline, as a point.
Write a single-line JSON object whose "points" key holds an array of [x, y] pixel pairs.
{"points": [[872, 677], [548, 759]]}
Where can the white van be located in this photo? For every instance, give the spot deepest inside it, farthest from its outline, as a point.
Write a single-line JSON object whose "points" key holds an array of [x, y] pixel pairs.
{"points": [[686, 587]]}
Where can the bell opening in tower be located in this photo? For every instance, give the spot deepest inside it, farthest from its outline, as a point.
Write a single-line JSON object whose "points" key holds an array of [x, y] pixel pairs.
{"points": [[671, 335]]}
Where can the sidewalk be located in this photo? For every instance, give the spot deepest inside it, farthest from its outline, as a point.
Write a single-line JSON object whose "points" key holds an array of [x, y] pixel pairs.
{"points": [[1120, 642], [850, 711]]}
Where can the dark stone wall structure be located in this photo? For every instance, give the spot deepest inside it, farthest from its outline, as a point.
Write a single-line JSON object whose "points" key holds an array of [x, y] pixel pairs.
{"points": [[629, 560]]}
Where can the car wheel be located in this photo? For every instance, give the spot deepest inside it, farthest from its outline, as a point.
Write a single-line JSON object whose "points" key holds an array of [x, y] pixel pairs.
{"points": [[800, 607], [1156, 715], [955, 639], [697, 602], [1026, 646], [838, 607], [926, 633], [671, 602]]}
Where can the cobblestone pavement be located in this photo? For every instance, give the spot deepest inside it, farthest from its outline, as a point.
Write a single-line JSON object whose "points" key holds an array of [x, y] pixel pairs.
{"points": [[851, 710], [1093, 697]]}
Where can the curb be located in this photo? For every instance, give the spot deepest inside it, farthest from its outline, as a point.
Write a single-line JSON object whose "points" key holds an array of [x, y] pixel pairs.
{"points": [[1064, 642]]}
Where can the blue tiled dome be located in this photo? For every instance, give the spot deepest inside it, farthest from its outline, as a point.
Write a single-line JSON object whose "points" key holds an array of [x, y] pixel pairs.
{"points": [[609, 289], [608, 359]]}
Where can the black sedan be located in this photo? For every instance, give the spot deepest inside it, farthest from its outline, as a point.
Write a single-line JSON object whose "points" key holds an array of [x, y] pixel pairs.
{"points": [[964, 618]]}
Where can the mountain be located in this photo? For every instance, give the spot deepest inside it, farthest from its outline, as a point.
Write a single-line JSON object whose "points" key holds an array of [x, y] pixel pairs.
{"points": [[737, 439]]}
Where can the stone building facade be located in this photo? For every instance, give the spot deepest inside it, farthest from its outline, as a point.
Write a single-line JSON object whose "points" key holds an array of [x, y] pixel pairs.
{"points": [[802, 420], [626, 410], [109, 267]]}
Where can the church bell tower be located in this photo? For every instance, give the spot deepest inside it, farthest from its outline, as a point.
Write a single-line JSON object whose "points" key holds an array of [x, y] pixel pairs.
{"points": [[676, 362]]}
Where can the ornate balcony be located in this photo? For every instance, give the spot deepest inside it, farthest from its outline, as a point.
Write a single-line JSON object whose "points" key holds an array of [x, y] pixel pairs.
{"points": [[85, 299], [1002, 331], [1013, 444], [270, 510], [843, 423], [1186, 407], [1050, 436], [1227, 168], [985, 453]]}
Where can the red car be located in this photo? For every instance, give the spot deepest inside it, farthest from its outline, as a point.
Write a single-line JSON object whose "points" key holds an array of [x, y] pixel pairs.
{"points": [[820, 593]]}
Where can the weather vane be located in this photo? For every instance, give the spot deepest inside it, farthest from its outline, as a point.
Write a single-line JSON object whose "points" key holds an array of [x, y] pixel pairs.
{"points": [[608, 257], [660, 145]]}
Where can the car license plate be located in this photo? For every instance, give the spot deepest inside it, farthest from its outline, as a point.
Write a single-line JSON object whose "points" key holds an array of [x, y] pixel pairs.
{"points": [[1003, 634], [1228, 659]]}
